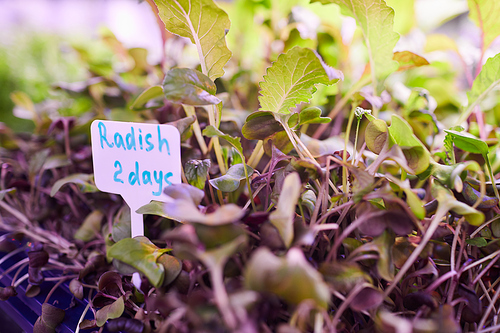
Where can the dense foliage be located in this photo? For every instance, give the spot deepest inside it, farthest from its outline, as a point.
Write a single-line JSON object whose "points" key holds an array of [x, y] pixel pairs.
{"points": [[329, 182]]}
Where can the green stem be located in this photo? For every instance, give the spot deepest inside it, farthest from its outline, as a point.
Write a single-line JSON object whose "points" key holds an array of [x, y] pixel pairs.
{"points": [[189, 109], [355, 152], [257, 154], [344, 155], [292, 140], [492, 178], [249, 187], [217, 148]]}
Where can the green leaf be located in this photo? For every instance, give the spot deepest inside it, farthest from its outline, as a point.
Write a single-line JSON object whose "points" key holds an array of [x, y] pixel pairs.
{"points": [[308, 199], [477, 241], [415, 152], [485, 13], [376, 135], [312, 115], [76, 288], [22, 100], [416, 205], [484, 83], [211, 131], [142, 254], [147, 95], [409, 60], [292, 278], [196, 172], [172, 266], [495, 228], [231, 180], [446, 198], [376, 20], [90, 226], [343, 276], [449, 151], [184, 125], [185, 207], [189, 86], [86, 182], [260, 125], [111, 311], [468, 142], [385, 266], [185, 192], [282, 218], [154, 208], [291, 79], [56, 161], [205, 25]]}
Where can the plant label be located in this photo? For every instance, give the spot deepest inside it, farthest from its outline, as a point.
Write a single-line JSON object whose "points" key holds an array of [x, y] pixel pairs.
{"points": [[137, 161]]}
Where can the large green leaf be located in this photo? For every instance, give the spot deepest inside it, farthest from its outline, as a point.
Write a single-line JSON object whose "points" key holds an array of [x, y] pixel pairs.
{"points": [[376, 20], [485, 13], [205, 25], [291, 79], [485, 82], [142, 254], [189, 86]]}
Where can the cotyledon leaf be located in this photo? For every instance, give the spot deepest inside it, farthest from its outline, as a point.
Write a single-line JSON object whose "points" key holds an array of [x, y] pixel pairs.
{"points": [[282, 217], [291, 78], [147, 95], [205, 25], [231, 180], [376, 21], [141, 254]]}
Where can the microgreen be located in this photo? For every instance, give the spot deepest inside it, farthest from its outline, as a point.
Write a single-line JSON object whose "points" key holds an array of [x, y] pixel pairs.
{"points": [[286, 219]]}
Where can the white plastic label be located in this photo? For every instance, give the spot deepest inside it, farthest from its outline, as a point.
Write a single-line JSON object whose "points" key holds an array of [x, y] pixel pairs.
{"points": [[137, 161]]}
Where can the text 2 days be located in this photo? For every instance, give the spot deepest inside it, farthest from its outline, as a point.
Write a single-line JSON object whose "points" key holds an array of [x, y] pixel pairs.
{"points": [[144, 178]]}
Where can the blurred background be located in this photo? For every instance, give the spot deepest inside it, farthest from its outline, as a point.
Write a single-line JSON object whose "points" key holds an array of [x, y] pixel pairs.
{"points": [[43, 42], [47, 42]]}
